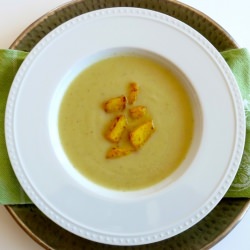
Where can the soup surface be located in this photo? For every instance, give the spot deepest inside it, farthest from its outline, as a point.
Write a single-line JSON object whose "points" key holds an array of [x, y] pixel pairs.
{"points": [[82, 122]]}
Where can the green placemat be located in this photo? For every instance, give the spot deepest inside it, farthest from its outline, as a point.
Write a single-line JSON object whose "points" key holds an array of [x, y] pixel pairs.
{"points": [[10, 60]]}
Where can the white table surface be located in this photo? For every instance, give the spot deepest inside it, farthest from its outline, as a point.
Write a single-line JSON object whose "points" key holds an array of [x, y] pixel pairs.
{"points": [[16, 15]]}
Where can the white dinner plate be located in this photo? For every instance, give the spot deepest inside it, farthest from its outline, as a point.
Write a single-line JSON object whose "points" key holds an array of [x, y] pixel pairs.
{"points": [[92, 211]]}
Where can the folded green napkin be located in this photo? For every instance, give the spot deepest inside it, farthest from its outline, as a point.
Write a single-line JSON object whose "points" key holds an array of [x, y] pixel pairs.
{"points": [[10, 60], [239, 62], [10, 189]]}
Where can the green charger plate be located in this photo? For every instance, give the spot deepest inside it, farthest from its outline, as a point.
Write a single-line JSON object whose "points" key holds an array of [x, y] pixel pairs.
{"points": [[204, 234]]}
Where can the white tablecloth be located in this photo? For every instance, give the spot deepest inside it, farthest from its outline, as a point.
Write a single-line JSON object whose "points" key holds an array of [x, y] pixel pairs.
{"points": [[16, 15]]}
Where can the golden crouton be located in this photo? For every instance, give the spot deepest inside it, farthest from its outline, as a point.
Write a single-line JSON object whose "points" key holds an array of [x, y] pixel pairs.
{"points": [[116, 128], [137, 112], [115, 104], [141, 134], [133, 92], [116, 152]]}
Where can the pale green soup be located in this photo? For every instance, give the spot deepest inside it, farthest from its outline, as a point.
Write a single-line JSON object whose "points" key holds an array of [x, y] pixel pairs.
{"points": [[82, 122]]}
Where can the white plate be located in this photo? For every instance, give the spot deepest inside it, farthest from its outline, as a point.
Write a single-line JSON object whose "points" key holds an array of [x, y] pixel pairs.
{"points": [[84, 208]]}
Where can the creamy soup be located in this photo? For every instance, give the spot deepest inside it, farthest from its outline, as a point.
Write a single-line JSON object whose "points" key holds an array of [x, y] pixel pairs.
{"points": [[82, 122]]}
